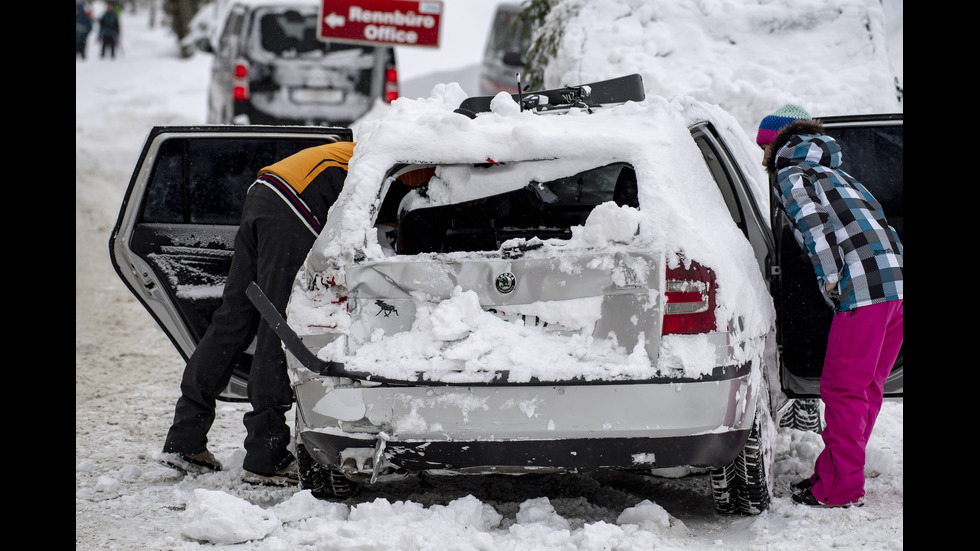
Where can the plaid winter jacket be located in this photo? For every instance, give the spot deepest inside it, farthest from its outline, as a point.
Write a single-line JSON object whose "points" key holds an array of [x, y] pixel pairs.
{"points": [[838, 223]]}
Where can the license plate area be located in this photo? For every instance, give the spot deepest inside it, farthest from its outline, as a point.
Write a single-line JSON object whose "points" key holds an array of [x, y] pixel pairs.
{"points": [[317, 95], [516, 317]]}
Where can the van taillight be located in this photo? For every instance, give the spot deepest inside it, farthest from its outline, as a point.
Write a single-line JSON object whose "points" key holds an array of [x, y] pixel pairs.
{"points": [[690, 305], [240, 82], [391, 84]]}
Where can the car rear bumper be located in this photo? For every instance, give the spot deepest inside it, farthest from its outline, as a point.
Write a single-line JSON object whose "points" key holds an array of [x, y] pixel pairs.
{"points": [[646, 424], [706, 450]]}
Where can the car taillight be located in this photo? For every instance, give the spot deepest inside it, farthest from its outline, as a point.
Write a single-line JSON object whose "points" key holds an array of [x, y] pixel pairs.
{"points": [[240, 82], [339, 292], [327, 290], [690, 305], [391, 84]]}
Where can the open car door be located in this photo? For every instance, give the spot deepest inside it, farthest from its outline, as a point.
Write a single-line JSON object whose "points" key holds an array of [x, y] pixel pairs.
{"points": [[174, 237], [872, 152]]}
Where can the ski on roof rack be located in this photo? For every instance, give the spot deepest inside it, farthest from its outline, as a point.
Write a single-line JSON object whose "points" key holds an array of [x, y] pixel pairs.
{"points": [[596, 94]]}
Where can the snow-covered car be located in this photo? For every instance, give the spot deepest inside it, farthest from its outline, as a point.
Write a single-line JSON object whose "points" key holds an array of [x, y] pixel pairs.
{"points": [[270, 67], [582, 282], [567, 291]]}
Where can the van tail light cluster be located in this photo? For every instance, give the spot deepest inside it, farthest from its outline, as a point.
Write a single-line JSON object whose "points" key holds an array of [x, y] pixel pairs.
{"points": [[240, 81], [690, 306], [391, 84]]}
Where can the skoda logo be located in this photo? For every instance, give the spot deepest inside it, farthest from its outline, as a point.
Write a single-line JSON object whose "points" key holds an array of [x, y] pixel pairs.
{"points": [[506, 282]]}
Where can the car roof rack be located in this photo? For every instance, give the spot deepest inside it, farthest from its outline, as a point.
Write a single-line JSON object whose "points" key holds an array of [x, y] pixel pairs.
{"points": [[584, 96]]}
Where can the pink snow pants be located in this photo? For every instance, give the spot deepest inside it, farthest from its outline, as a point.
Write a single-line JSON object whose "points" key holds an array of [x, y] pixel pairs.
{"points": [[861, 350]]}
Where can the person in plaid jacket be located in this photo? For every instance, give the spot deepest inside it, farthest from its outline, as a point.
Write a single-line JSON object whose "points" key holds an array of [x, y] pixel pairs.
{"points": [[858, 262]]}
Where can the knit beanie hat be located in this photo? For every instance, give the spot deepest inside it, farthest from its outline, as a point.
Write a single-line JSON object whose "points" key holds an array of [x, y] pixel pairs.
{"points": [[772, 124]]}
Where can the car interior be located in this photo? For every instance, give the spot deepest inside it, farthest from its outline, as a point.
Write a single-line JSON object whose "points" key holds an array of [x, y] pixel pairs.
{"points": [[542, 210]]}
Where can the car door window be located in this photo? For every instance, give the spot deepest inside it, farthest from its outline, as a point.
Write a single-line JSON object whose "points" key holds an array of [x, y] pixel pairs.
{"points": [[874, 155], [204, 181], [232, 30], [192, 207], [725, 184]]}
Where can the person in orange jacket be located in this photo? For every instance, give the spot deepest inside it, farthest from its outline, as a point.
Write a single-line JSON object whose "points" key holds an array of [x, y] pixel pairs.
{"points": [[283, 212]]}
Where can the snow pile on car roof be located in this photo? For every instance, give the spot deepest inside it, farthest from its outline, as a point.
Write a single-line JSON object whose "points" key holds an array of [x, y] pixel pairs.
{"points": [[682, 209]]}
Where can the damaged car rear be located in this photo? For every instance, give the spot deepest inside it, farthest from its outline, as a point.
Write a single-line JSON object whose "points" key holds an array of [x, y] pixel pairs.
{"points": [[526, 285]]}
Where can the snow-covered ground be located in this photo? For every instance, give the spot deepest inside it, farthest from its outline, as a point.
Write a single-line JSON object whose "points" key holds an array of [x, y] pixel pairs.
{"points": [[127, 376]]}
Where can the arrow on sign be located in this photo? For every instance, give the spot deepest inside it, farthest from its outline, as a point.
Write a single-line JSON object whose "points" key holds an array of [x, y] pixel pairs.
{"points": [[333, 20]]}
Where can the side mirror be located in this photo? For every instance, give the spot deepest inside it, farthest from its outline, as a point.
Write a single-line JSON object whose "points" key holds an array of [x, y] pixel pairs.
{"points": [[514, 59], [204, 44]]}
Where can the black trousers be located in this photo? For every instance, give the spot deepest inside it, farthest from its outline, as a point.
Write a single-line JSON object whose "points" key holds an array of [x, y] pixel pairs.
{"points": [[108, 44], [271, 245]]}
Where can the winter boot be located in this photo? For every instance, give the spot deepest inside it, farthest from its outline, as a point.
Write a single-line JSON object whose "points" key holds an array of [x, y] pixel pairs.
{"points": [[197, 463], [286, 476]]}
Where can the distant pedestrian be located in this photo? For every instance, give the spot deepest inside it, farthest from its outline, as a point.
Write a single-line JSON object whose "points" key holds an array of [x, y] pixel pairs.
{"points": [[109, 29], [858, 263], [83, 26]]}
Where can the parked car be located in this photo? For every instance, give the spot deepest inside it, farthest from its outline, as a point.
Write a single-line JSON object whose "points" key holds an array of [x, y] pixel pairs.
{"points": [[504, 53], [628, 240], [270, 67]]}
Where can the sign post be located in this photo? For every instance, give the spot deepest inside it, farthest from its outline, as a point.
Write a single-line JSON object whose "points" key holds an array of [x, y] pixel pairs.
{"points": [[391, 22]]}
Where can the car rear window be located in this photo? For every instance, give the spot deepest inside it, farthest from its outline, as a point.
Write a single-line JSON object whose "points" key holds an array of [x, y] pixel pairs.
{"points": [[540, 209], [292, 32]]}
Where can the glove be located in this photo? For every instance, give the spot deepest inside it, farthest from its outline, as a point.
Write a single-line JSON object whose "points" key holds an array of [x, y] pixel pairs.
{"points": [[832, 293]]}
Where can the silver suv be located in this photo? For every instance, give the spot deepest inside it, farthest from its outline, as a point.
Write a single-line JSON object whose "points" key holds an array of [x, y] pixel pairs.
{"points": [[270, 67], [565, 289]]}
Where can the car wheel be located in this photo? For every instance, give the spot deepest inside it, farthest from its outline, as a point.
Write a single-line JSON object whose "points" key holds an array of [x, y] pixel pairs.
{"points": [[745, 485], [323, 482], [802, 414]]}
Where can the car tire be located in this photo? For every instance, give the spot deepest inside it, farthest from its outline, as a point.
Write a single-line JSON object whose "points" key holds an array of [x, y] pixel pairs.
{"points": [[323, 482], [802, 414], [745, 485]]}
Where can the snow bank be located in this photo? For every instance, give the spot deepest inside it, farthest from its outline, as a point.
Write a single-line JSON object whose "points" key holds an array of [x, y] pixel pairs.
{"points": [[748, 56]]}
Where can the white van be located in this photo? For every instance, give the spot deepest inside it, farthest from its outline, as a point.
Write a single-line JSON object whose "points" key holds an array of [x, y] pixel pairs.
{"points": [[271, 68]]}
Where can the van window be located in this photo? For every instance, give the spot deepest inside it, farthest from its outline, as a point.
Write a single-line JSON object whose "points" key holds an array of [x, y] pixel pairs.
{"points": [[293, 33]]}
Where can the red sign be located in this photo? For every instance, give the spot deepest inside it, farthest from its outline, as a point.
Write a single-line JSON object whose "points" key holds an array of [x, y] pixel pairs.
{"points": [[394, 22]]}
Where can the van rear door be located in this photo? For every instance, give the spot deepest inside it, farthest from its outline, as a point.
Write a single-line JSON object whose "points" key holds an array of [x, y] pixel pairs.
{"points": [[174, 237]]}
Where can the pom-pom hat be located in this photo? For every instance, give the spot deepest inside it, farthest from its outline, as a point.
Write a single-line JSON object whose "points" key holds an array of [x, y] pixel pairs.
{"points": [[772, 124]]}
